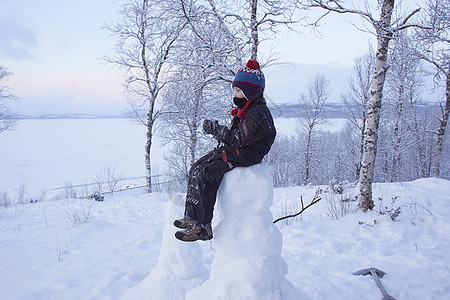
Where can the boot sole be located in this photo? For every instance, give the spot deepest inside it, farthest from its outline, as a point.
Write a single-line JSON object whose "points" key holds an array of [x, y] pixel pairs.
{"points": [[182, 237]]}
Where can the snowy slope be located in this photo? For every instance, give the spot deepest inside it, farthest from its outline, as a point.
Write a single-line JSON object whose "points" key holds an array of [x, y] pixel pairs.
{"points": [[48, 251]]}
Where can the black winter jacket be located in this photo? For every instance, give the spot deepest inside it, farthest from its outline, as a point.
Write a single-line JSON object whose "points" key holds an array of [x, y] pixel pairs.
{"points": [[248, 140]]}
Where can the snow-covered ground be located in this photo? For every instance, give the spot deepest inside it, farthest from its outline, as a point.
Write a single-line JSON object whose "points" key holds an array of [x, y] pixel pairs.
{"points": [[82, 249]]}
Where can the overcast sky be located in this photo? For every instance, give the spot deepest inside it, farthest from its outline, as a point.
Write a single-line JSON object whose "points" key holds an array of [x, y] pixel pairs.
{"points": [[54, 49]]}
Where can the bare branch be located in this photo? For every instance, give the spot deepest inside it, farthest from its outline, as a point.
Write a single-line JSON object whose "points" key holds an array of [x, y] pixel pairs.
{"points": [[409, 16], [315, 200], [338, 8]]}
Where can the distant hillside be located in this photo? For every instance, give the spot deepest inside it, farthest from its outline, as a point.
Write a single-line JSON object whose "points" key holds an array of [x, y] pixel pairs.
{"points": [[331, 110], [71, 116], [283, 110], [291, 110]]}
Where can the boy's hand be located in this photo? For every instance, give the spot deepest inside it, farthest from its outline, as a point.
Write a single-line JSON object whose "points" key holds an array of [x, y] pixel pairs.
{"points": [[210, 127]]}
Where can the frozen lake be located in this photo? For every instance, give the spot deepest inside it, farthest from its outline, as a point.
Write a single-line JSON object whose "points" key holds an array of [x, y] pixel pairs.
{"points": [[43, 154]]}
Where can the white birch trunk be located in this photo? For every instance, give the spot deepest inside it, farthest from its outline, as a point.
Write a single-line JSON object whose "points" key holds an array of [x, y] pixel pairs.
{"points": [[441, 130], [374, 106], [422, 169], [396, 139], [148, 161], [307, 154], [193, 127], [151, 86], [254, 29], [361, 147], [142, 50]]}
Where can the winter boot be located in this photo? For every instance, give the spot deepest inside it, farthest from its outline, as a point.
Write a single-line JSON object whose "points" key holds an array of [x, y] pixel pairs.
{"points": [[183, 223], [195, 232]]}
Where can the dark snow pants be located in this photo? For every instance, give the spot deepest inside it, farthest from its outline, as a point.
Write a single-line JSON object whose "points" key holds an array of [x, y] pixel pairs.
{"points": [[205, 177]]}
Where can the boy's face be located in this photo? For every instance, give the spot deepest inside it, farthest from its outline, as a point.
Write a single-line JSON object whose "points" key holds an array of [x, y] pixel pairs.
{"points": [[238, 93]]}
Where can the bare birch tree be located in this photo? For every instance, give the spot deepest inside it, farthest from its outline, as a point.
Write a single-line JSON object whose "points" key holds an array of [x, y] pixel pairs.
{"points": [[146, 36], [199, 63], [385, 28], [403, 91], [218, 38], [250, 22], [196, 94], [268, 14], [204, 63], [214, 35], [434, 48], [311, 105], [357, 98], [7, 118]]}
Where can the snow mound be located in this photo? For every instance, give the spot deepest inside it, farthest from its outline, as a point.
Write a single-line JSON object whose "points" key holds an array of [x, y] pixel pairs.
{"points": [[180, 266], [248, 262]]}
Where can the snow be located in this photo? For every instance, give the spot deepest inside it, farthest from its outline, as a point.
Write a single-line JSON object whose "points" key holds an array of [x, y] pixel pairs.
{"points": [[47, 154], [247, 263], [44, 255], [180, 266], [123, 248]]}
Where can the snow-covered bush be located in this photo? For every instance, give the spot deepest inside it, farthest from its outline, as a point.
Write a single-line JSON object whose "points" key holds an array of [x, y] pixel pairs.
{"points": [[108, 179], [340, 204], [4, 199], [392, 211], [336, 187], [4, 202], [70, 191], [79, 213]]}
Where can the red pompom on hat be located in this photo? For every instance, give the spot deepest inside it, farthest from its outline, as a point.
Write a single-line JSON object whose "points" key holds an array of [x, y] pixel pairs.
{"points": [[253, 64]]}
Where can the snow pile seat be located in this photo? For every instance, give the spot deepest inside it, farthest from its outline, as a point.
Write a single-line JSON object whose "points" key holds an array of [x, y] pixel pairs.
{"points": [[247, 263]]}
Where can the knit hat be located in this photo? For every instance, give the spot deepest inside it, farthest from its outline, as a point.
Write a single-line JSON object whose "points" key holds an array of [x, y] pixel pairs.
{"points": [[251, 81]]}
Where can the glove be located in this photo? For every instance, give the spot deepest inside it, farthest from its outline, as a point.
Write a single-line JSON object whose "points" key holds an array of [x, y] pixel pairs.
{"points": [[210, 127]]}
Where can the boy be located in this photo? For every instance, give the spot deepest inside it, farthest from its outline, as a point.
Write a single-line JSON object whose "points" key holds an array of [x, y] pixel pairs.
{"points": [[245, 143]]}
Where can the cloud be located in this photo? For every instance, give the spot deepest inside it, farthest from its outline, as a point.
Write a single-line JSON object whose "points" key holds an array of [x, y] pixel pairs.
{"points": [[16, 39]]}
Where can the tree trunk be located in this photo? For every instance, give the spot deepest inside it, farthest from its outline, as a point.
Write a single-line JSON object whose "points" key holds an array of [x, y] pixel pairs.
{"points": [[141, 30], [441, 130], [422, 169], [361, 148], [308, 144], [374, 106], [254, 29], [396, 138], [193, 143], [148, 148], [193, 129], [150, 118]]}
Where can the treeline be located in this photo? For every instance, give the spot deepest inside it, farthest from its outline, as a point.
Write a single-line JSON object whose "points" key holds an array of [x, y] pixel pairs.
{"points": [[409, 129], [335, 110], [180, 57], [335, 155]]}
